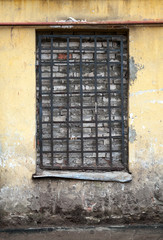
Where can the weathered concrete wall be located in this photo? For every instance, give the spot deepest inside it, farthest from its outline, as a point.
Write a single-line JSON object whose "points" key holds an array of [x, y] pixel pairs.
{"points": [[50, 201]]}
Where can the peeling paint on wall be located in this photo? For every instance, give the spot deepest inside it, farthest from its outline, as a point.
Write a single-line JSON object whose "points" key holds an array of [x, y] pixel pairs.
{"points": [[134, 68], [146, 91], [132, 134], [25, 201], [156, 101]]}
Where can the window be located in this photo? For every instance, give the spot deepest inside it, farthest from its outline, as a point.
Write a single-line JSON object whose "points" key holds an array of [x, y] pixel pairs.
{"points": [[82, 87]]}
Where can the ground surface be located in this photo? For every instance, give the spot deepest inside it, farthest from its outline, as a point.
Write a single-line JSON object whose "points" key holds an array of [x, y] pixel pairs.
{"points": [[90, 233]]}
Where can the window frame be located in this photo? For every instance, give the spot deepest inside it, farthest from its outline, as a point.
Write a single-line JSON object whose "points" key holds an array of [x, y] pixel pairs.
{"points": [[60, 170]]}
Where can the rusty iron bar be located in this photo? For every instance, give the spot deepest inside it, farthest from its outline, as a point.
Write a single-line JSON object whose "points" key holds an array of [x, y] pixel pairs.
{"points": [[66, 23], [82, 168], [110, 93]]}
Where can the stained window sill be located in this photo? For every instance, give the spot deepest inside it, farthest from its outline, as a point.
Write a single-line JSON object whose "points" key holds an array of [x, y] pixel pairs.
{"points": [[115, 176]]}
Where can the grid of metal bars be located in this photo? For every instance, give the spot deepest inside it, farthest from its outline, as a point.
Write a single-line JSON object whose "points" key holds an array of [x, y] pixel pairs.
{"points": [[85, 61]]}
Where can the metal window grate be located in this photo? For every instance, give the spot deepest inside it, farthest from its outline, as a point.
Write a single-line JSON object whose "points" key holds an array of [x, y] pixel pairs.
{"points": [[82, 102]]}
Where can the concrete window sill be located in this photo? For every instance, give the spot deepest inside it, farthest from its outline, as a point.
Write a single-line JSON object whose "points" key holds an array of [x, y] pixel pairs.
{"points": [[114, 176]]}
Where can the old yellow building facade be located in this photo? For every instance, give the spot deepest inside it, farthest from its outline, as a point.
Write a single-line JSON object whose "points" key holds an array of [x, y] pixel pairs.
{"points": [[52, 200]]}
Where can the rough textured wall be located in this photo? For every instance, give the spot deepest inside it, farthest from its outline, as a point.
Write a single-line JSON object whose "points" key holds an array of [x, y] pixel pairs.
{"points": [[51, 201], [56, 10]]}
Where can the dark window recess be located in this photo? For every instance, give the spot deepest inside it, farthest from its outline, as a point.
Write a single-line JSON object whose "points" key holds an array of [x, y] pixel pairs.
{"points": [[82, 91]]}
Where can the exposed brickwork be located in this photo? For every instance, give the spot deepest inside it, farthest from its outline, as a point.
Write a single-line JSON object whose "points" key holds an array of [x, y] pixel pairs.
{"points": [[58, 72]]}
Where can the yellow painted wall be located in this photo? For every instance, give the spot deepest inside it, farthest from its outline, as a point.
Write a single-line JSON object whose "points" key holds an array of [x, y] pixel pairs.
{"points": [[146, 98], [17, 104], [19, 193], [92, 10]]}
